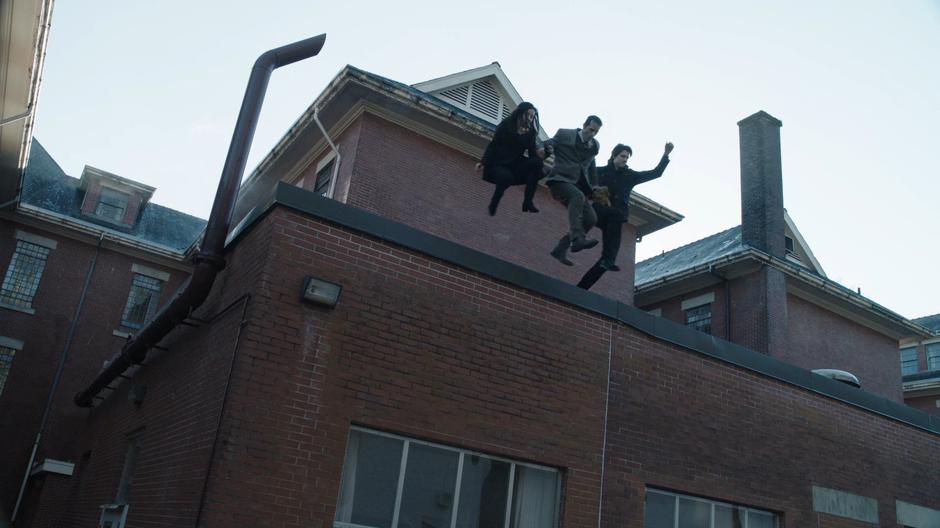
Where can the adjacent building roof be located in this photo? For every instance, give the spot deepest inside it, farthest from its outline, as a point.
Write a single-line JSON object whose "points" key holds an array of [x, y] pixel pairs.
{"points": [[931, 322], [46, 187], [689, 256]]}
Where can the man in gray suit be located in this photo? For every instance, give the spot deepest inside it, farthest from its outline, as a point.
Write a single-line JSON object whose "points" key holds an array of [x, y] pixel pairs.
{"points": [[571, 182]]}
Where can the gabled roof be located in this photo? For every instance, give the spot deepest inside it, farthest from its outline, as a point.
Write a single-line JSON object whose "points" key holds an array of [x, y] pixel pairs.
{"points": [[353, 89], [689, 256], [801, 254], [485, 92], [48, 191]]}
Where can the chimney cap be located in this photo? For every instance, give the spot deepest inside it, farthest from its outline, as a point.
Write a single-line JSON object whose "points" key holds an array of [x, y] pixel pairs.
{"points": [[761, 115]]}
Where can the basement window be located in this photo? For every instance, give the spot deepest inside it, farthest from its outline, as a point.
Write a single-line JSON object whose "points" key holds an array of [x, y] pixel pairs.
{"points": [[395, 481], [665, 508]]}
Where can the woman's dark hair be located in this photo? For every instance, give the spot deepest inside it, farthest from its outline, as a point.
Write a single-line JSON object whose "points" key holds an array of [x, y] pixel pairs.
{"points": [[510, 122], [617, 150]]}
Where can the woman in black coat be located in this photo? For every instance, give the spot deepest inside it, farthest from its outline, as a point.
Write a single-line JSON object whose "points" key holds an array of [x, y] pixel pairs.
{"points": [[513, 158]]}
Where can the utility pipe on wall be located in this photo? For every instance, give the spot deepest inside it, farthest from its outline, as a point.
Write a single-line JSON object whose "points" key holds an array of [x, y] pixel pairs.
{"points": [[209, 260]]}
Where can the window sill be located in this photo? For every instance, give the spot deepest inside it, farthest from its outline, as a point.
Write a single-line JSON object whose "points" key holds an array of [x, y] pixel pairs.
{"points": [[122, 334], [30, 311]]}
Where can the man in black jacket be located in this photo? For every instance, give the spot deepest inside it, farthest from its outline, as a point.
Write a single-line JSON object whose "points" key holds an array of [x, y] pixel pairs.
{"points": [[619, 180]]}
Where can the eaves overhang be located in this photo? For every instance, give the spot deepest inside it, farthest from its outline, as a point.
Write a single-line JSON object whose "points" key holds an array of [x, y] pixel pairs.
{"points": [[350, 93], [24, 34], [354, 91], [801, 283], [921, 384], [89, 232], [649, 216]]}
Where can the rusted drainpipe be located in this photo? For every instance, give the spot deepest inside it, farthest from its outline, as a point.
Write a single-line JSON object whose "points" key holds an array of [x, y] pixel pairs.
{"points": [[209, 260]]}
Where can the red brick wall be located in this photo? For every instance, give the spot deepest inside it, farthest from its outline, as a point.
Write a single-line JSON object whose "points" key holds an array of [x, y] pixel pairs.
{"points": [[928, 404], [44, 336], [411, 179], [821, 339], [426, 349]]}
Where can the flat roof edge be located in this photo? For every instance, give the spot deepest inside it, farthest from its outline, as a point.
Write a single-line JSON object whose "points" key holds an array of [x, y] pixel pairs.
{"points": [[680, 335]]}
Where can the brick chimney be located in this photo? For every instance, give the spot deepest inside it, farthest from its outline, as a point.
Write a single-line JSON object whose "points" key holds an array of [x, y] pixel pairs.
{"points": [[762, 315], [762, 224]]}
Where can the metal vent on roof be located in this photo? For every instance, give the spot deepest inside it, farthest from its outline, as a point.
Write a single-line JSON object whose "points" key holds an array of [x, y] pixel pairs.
{"points": [[457, 95], [485, 99]]}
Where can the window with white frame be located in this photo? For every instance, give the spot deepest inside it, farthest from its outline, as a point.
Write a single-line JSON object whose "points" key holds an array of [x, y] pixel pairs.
{"points": [[23, 275], [141, 301], [672, 510], [324, 177], [933, 356], [392, 481], [111, 205], [909, 360], [6, 363]]}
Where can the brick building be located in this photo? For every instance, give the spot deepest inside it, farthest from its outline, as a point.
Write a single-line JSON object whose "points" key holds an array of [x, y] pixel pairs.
{"points": [[86, 262], [920, 367], [459, 379]]}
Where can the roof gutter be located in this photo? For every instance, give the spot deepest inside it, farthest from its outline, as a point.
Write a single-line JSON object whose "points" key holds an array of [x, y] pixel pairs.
{"points": [[827, 285], [209, 260]]}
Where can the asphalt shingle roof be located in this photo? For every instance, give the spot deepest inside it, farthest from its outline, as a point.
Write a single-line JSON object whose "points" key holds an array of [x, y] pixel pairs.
{"points": [[47, 186], [689, 256]]}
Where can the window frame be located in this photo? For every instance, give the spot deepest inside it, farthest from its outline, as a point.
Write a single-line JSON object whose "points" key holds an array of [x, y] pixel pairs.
{"points": [[106, 197], [712, 504], [462, 453], [11, 295], [933, 361], [151, 306], [910, 360], [6, 366]]}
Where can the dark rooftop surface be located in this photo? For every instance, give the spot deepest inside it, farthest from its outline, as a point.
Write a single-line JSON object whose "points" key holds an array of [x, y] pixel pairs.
{"points": [[45, 185], [931, 321], [689, 256]]}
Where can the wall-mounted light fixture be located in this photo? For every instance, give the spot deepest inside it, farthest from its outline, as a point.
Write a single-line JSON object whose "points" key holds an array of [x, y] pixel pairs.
{"points": [[320, 291]]}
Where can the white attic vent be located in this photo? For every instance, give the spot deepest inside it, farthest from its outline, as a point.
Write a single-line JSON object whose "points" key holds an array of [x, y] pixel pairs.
{"points": [[481, 98]]}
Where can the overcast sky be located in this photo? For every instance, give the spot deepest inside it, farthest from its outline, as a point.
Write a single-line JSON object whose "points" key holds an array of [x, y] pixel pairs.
{"points": [[151, 90]]}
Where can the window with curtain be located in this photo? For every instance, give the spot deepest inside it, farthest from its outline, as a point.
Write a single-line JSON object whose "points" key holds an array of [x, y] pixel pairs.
{"points": [[391, 481], [668, 509]]}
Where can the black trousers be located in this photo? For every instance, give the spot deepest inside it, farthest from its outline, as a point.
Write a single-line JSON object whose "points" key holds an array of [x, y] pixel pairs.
{"points": [[523, 171], [610, 221]]}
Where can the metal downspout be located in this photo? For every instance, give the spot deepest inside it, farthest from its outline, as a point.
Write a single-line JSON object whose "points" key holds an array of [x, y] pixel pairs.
{"points": [[316, 119], [209, 260], [727, 284], [58, 375]]}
